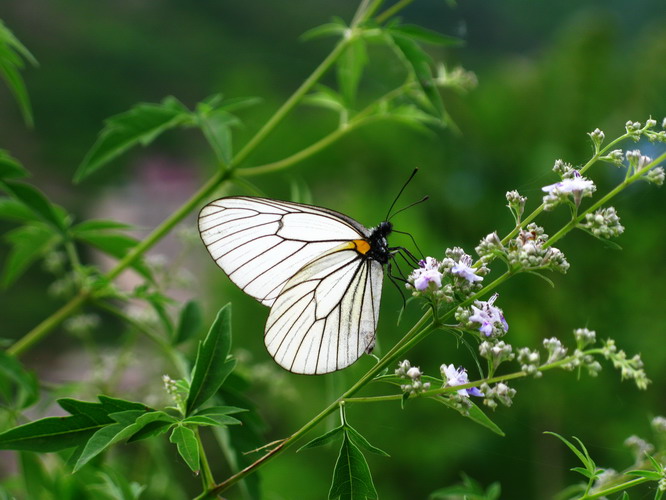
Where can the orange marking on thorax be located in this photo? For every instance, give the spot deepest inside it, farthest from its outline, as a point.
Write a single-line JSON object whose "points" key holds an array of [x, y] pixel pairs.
{"points": [[361, 246]]}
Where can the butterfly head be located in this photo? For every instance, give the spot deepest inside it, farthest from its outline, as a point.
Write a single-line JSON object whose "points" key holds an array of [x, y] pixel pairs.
{"points": [[379, 250]]}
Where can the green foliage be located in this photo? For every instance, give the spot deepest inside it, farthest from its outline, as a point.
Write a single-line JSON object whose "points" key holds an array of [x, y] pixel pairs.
{"points": [[188, 447], [18, 386], [12, 56], [211, 367], [468, 489]]}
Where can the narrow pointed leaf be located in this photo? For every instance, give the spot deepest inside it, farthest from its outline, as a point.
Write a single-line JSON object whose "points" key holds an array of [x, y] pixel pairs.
{"points": [[190, 322], [421, 34], [35, 200], [188, 448], [211, 420], [351, 476], [10, 168], [140, 125], [211, 367], [49, 434], [11, 53], [19, 386], [28, 244], [114, 244], [322, 440], [361, 442], [474, 413], [221, 410], [14, 210]]}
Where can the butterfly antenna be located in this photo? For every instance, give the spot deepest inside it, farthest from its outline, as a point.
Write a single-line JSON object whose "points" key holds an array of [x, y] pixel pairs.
{"points": [[400, 192], [425, 198]]}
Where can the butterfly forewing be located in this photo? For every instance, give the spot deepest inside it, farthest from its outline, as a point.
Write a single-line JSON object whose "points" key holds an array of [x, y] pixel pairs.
{"points": [[261, 243]]}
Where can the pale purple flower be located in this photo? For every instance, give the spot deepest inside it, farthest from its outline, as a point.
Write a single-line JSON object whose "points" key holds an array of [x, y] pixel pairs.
{"points": [[458, 376], [427, 273], [489, 317], [464, 269], [575, 184]]}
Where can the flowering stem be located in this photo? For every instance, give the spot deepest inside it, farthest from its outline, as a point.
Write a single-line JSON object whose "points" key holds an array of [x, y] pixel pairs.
{"points": [[604, 200]]}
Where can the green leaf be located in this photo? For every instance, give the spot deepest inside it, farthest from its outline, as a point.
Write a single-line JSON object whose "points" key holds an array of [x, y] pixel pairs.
{"points": [[216, 420], [221, 410], [128, 423], [114, 485], [29, 243], [12, 53], [325, 97], [19, 387], [49, 434], [10, 168], [322, 440], [97, 225], [350, 69], [648, 474], [114, 244], [34, 476], [115, 405], [14, 210], [351, 476], [583, 456], [421, 34], [39, 204], [420, 64], [140, 125], [336, 28], [188, 448], [361, 442], [190, 322], [473, 413], [151, 429], [469, 489], [95, 411], [211, 367]]}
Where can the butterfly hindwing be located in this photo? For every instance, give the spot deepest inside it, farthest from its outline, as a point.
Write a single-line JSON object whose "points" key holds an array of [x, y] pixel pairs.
{"points": [[326, 316]]}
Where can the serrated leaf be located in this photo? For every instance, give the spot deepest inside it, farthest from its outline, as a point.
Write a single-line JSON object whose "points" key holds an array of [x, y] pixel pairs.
{"points": [[188, 448], [350, 67], [12, 53], [322, 440], [115, 245], [10, 168], [361, 442], [128, 422], [140, 125], [211, 367], [28, 244], [190, 322], [49, 434], [20, 387], [420, 64], [351, 476], [35, 200], [421, 34]]}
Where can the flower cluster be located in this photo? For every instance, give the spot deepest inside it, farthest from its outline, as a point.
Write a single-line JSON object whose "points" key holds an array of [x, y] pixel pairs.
{"points": [[455, 276], [484, 316], [499, 392], [529, 361], [630, 368], [528, 251], [604, 223], [516, 204], [496, 352], [575, 185], [413, 375]]}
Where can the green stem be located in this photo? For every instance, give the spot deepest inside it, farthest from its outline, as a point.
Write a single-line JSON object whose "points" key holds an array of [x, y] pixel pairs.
{"points": [[206, 474], [616, 489], [420, 329], [392, 11], [41, 330]]}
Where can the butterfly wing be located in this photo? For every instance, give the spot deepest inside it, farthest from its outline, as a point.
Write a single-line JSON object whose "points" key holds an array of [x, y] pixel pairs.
{"points": [[260, 243], [326, 315]]}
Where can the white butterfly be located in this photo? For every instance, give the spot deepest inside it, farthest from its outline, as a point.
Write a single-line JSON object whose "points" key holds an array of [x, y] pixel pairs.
{"points": [[318, 270]]}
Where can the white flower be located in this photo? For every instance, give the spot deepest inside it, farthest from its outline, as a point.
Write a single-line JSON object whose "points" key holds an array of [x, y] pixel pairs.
{"points": [[464, 269]]}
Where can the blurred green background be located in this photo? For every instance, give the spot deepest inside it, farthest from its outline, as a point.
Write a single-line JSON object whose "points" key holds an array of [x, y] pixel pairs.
{"points": [[549, 72]]}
